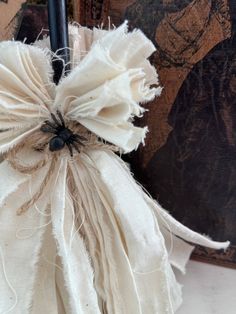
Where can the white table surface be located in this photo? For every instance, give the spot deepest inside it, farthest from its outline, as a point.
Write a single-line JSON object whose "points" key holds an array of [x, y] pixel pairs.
{"points": [[208, 289]]}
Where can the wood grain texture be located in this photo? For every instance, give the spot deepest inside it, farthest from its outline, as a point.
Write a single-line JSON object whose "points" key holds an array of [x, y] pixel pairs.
{"points": [[10, 18], [188, 161]]}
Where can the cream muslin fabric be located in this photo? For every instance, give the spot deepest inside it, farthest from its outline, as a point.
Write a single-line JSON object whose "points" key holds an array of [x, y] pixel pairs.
{"points": [[92, 241]]}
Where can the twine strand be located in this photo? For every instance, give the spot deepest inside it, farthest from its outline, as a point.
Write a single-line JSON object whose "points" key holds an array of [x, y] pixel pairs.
{"points": [[38, 141], [26, 206]]}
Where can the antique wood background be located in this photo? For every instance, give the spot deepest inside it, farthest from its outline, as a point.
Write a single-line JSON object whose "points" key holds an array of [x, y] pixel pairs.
{"points": [[189, 161], [10, 17]]}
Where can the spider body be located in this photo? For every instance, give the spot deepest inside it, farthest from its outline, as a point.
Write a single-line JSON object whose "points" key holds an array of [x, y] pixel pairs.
{"points": [[58, 142], [63, 135]]}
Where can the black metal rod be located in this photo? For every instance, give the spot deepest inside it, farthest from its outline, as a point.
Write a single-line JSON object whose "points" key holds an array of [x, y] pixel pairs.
{"points": [[59, 38]]}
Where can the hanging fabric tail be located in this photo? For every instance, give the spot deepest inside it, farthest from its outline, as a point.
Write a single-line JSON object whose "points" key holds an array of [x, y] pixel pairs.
{"points": [[141, 222], [114, 280], [174, 231], [157, 289], [77, 271]]}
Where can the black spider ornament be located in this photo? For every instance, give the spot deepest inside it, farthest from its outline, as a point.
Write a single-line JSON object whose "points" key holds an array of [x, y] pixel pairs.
{"points": [[63, 135]]}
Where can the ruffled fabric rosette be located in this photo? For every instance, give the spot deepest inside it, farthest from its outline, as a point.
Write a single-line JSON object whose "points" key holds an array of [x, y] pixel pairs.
{"points": [[78, 235]]}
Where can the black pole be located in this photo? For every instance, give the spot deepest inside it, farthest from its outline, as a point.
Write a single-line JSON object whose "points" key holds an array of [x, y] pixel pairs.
{"points": [[58, 30]]}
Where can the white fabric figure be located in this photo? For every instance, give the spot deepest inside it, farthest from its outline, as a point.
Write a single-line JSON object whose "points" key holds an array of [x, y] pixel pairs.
{"points": [[77, 233]]}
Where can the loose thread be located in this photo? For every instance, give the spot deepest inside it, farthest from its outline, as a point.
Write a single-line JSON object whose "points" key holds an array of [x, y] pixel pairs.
{"points": [[33, 229], [8, 282], [52, 263]]}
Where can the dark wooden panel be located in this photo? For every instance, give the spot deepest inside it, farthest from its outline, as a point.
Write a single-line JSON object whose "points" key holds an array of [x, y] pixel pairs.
{"points": [[189, 160]]}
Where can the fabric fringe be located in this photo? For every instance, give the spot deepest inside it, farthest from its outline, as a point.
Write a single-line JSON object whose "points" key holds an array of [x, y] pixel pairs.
{"points": [[103, 226], [21, 254]]}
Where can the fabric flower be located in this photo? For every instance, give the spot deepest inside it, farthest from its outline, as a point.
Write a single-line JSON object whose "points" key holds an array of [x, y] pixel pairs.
{"points": [[102, 92], [87, 238]]}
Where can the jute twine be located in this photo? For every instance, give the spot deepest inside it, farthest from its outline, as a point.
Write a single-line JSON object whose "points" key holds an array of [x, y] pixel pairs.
{"points": [[38, 141], [17, 164]]}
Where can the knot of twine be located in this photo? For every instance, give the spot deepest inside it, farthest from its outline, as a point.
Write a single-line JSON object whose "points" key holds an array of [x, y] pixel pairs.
{"points": [[38, 142]]}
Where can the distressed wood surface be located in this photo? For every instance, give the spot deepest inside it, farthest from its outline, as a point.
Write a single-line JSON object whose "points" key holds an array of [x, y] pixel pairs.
{"points": [[10, 18], [188, 161]]}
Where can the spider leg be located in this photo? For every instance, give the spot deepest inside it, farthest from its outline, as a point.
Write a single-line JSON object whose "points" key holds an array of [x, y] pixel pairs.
{"points": [[76, 146], [50, 124], [55, 119], [47, 129], [69, 145], [61, 118], [78, 139]]}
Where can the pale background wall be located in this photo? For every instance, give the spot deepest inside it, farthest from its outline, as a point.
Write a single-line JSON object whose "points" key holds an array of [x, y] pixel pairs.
{"points": [[208, 289]]}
